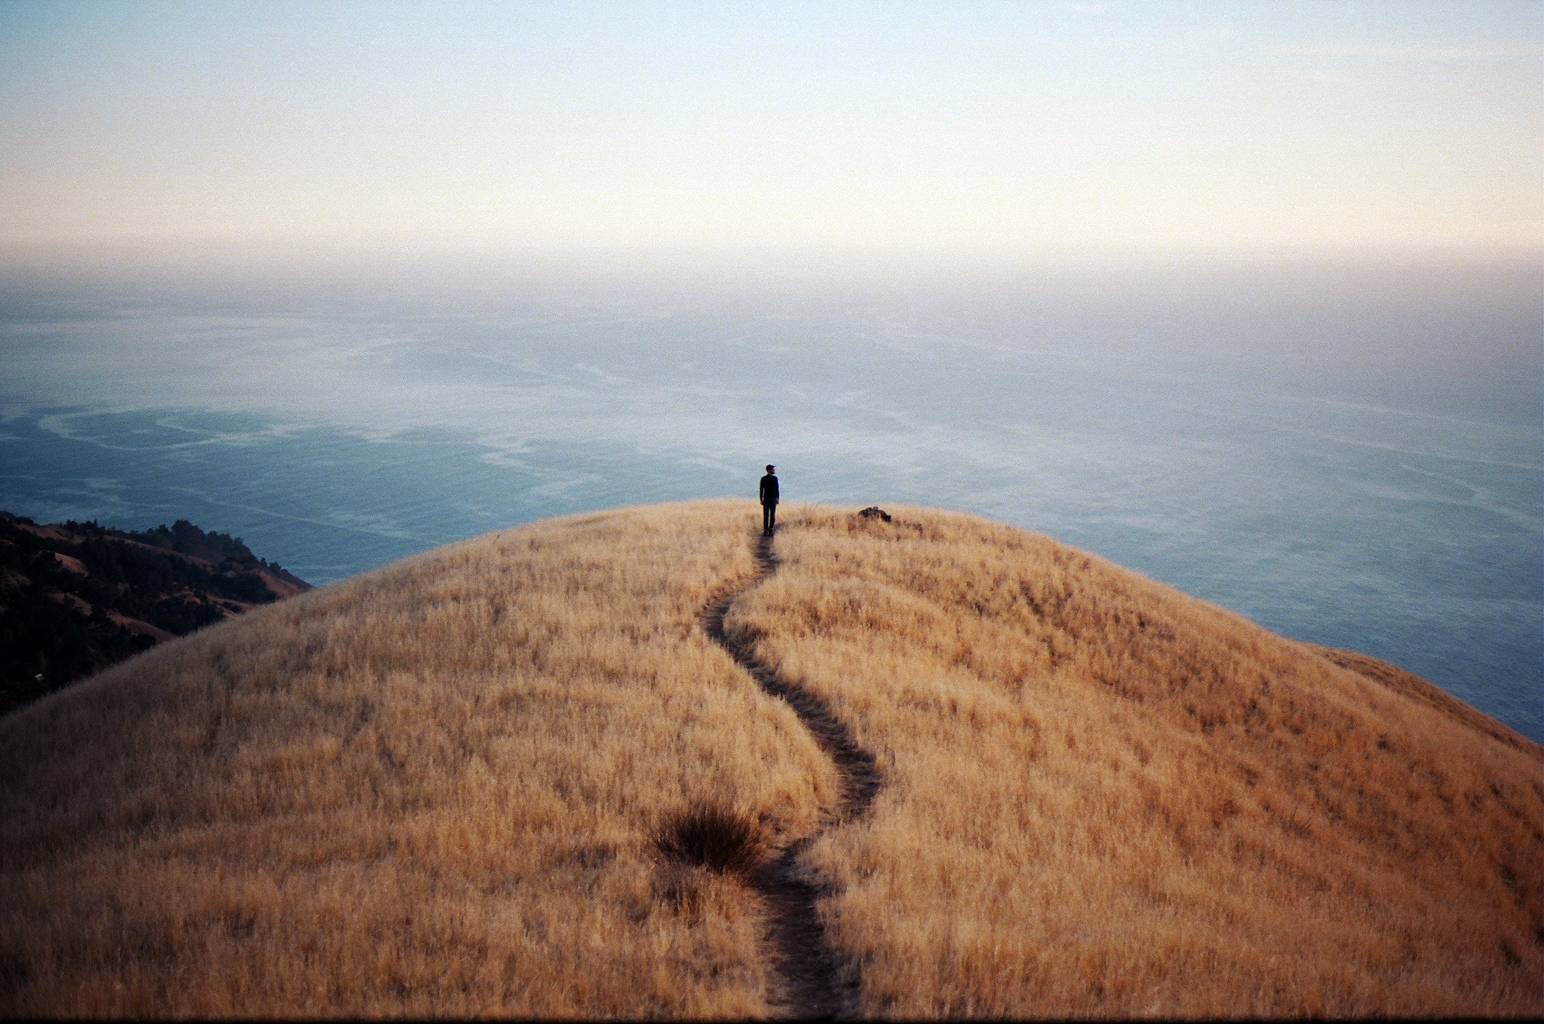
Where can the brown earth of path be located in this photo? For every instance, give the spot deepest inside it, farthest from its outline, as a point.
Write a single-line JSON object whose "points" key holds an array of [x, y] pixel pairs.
{"points": [[812, 985]]}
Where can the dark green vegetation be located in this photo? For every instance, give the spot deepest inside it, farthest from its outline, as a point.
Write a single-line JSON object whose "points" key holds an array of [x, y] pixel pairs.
{"points": [[77, 597]]}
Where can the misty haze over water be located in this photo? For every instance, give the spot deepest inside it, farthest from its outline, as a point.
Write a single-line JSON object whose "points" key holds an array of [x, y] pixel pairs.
{"points": [[1348, 452]]}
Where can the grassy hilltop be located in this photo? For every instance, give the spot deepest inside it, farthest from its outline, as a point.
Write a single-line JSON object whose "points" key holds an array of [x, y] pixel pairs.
{"points": [[457, 786]]}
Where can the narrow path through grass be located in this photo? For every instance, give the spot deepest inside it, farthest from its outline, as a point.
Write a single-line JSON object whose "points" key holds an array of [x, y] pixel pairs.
{"points": [[803, 959]]}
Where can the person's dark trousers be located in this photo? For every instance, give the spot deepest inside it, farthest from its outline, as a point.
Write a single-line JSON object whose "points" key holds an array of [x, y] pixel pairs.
{"points": [[768, 518]]}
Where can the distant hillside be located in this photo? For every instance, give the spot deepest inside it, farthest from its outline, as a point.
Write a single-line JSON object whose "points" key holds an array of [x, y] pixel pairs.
{"points": [[642, 764], [77, 597]]}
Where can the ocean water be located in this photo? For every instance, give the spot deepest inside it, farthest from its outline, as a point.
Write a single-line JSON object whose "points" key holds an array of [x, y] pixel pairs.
{"points": [[1348, 454]]}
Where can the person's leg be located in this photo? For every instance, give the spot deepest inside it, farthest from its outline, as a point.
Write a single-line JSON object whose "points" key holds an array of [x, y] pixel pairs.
{"points": [[766, 518], [771, 518]]}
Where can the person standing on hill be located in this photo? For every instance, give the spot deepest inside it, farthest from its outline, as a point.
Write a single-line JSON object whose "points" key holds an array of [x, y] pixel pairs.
{"points": [[769, 500]]}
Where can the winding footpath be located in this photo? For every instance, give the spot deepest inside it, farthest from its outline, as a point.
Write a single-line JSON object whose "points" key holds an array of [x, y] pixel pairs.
{"points": [[802, 958]]}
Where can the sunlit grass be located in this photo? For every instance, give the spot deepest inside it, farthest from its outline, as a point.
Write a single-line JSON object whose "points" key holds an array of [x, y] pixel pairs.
{"points": [[1105, 798], [514, 777]]}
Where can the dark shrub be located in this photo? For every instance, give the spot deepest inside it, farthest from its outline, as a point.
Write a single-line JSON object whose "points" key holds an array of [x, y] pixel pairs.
{"points": [[726, 841]]}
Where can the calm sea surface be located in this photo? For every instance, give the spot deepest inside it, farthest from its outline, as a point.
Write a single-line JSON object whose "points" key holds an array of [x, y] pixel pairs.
{"points": [[1351, 456]]}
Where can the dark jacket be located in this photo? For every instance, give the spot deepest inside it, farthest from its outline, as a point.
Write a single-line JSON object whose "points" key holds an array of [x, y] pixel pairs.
{"points": [[769, 490]]}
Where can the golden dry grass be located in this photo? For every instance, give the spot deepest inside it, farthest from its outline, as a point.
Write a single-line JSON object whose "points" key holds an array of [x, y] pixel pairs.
{"points": [[430, 791], [1104, 798], [439, 789]]}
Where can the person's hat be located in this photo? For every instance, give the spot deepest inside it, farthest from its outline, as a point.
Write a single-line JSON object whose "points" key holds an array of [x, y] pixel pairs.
{"points": [[770, 467]]}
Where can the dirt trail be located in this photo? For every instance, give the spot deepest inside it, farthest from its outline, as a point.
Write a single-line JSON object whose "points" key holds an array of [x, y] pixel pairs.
{"points": [[803, 960]]}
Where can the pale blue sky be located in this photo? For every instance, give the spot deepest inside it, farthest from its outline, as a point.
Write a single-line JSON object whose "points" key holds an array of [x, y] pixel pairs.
{"points": [[932, 126]]}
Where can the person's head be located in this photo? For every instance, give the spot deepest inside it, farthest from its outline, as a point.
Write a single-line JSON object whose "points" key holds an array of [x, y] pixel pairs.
{"points": [[771, 469]]}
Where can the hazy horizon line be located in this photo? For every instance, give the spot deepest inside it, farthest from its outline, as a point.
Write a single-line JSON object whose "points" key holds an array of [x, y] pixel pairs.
{"points": [[205, 259]]}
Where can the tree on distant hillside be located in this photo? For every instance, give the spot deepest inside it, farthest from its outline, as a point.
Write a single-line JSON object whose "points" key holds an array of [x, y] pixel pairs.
{"points": [[219, 549]]}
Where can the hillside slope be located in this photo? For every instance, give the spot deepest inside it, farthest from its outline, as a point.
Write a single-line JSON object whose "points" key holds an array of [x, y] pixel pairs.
{"points": [[78, 597], [441, 788]]}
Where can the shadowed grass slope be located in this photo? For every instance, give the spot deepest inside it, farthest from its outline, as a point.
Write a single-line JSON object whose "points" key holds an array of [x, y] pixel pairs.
{"points": [[499, 779]]}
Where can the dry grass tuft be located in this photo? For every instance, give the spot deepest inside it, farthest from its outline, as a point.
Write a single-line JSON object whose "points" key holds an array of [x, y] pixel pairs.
{"points": [[722, 840], [445, 788]]}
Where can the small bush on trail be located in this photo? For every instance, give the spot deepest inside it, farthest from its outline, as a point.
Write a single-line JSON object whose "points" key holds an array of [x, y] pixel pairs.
{"points": [[721, 840]]}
